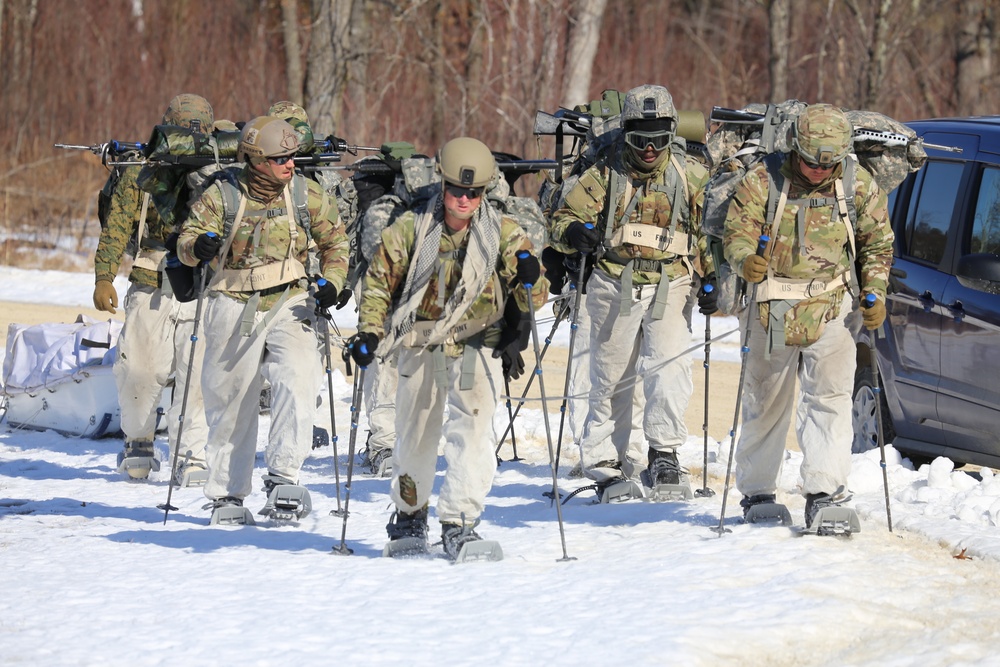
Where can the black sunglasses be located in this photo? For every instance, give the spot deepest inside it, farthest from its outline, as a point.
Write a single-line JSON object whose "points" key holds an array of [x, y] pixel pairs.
{"points": [[816, 165], [281, 160], [457, 191]]}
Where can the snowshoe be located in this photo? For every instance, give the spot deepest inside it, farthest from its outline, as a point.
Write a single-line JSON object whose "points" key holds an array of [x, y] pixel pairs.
{"points": [[191, 472], [379, 462], [665, 477], [229, 511], [619, 489], [762, 508], [463, 544], [285, 501], [825, 516], [407, 534], [138, 459]]}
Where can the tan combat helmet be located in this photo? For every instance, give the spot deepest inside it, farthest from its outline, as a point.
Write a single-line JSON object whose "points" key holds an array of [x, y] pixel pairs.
{"points": [[187, 110], [822, 135], [264, 137], [466, 162]]}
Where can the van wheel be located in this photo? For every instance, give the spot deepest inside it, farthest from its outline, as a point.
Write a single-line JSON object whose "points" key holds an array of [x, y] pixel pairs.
{"points": [[863, 413]]}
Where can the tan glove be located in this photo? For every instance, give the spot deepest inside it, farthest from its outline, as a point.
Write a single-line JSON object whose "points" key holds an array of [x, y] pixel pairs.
{"points": [[105, 296], [754, 268], [874, 315]]}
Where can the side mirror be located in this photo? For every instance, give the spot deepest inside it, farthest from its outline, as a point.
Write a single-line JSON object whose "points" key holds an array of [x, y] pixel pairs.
{"points": [[980, 271]]}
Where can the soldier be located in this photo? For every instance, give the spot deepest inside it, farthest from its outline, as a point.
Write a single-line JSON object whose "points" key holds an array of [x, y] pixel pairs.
{"points": [[803, 296], [638, 296], [154, 343], [455, 270], [258, 324]]}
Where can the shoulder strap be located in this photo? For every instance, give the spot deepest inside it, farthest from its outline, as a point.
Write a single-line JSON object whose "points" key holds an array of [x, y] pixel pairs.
{"points": [[300, 199]]}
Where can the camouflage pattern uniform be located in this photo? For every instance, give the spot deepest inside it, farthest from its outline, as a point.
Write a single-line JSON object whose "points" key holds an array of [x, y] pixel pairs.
{"points": [[622, 313], [274, 341], [424, 393], [818, 347], [155, 341]]}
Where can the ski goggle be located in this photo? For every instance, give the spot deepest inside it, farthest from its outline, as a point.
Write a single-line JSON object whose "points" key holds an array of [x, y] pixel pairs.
{"points": [[281, 160], [457, 191], [640, 140]]}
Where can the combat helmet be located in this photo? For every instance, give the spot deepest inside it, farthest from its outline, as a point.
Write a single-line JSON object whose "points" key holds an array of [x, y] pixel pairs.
{"points": [[297, 117], [187, 111], [265, 137], [466, 162], [822, 135], [649, 117]]}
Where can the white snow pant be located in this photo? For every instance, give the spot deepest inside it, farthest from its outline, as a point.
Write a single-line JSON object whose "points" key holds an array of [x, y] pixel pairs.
{"points": [[661, 364], [627, 405], [155, 342], [286, 353], [380, 404], [825, 371], [469, 436]]}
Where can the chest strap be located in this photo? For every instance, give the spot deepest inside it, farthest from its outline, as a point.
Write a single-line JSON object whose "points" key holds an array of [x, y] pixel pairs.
{"points": [[419, 335]]}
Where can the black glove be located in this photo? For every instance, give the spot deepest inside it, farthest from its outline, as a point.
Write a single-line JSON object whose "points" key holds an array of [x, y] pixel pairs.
{"points": [[362, 346], [207, 246], [514, 338], [708, 296], [344, 296], [582, 238], [555, 269], [325, 294], [528, 268]]}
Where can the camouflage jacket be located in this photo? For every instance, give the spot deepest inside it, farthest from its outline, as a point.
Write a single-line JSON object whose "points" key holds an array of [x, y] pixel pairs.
{"points": [[387, 273], [585, 202], [826, 252], [262, 240], [122, 223]]}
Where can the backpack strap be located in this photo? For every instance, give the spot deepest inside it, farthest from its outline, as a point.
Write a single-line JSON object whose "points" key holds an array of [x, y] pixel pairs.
{"points": [[300, 198]]}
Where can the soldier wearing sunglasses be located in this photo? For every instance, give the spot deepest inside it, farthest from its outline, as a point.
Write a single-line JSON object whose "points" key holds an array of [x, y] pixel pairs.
{"points": [[639, 209]]}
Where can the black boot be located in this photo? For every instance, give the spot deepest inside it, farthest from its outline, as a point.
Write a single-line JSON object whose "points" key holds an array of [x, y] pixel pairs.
{"points": [[406, 524], [664, 467], [759, 499]]}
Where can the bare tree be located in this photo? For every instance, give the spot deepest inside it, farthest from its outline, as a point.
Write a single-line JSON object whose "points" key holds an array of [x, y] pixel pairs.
{"points": [[974, 39], [779, 29], [584, 36], [293, 49]]}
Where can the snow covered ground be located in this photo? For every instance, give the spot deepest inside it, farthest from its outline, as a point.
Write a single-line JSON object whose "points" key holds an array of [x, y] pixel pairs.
{"points": [[91, 575]]}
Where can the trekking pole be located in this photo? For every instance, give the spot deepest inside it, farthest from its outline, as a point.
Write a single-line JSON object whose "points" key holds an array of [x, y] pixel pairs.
{"points": [[569, 363], [704, 491], [510, 426], [548, 341], [359, 382], [868, 302], [166, 507], [545, 415], [744, 351], [324, 314]]}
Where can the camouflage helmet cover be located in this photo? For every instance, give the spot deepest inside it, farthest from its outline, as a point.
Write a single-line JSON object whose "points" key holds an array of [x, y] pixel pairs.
{"points": [[267, 136], [648, 102], [297, 117], [822, 134], [466, 162], [186, 108]]}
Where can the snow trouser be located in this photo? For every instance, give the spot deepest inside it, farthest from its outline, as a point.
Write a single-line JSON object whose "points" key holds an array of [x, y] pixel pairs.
{"points": [[663, 369], [469, 437], [154, 344], [286, 353], [825, 372], [380, 404]]}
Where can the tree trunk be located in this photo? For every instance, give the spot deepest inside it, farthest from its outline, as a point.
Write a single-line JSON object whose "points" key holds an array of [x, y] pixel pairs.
{"points": [[320, 83], [877, 56], [779, 25], [584, 38], [293, 49], [974, 37]]}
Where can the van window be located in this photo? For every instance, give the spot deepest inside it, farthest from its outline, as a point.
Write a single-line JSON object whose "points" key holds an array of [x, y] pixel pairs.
{"points": [[985, 235], [928, 222]]}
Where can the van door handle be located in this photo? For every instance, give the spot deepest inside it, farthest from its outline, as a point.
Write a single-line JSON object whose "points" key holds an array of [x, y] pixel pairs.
{"points": [[927, 301], [957, 311]]}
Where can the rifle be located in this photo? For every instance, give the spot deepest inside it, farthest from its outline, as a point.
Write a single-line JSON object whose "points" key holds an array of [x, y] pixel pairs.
{"points": [[507, 166], [723, 115], [569, 123], [108, 149], [334, 144]]}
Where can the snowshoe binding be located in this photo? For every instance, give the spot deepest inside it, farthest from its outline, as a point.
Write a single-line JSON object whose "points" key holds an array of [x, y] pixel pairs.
{"points": [[825, 516], [191, 472], [763, 509], [463, 544], [229, 511], [138, 459], [407, 534], [378, 462], [286, 501], [665, 477]]}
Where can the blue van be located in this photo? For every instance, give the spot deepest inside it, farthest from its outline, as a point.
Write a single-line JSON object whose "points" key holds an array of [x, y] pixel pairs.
{"points": [[940, 354]]}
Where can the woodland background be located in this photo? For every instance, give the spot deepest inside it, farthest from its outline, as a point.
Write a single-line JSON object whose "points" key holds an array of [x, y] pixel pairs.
{"points": [[424, 71]]}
